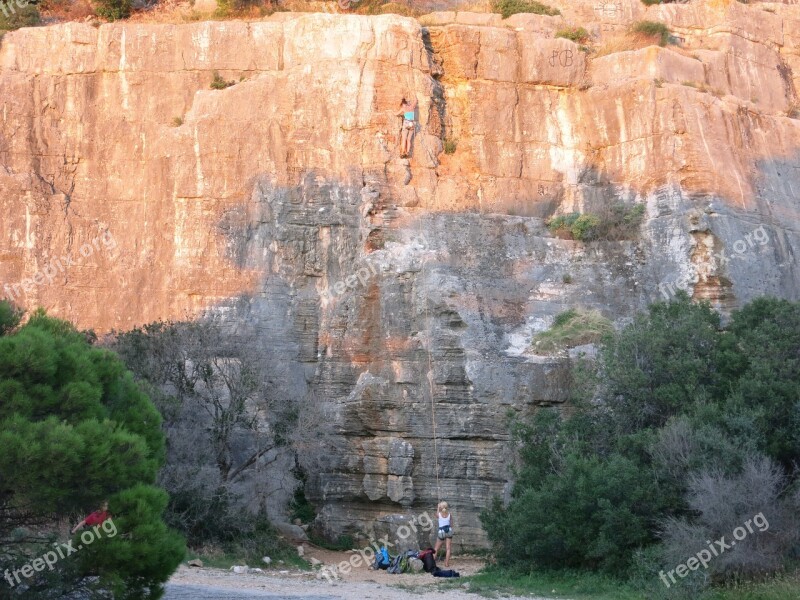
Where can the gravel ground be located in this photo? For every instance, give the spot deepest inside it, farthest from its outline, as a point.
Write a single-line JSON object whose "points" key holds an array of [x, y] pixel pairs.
{"points": [[291, 584]]}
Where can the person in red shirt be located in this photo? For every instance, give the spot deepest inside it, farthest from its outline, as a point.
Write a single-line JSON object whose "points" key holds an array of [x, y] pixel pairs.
{"points": [[96, 518]]}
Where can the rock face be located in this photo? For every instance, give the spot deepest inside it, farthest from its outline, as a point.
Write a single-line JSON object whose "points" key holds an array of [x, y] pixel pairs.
{"points": [[400, 294]]}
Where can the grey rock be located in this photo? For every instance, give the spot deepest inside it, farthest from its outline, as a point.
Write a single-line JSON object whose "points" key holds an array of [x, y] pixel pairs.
{"points": [[291, 532]]}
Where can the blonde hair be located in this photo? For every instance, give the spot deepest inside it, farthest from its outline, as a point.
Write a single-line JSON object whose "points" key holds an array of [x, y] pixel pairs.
{"points": [[443, 508]]}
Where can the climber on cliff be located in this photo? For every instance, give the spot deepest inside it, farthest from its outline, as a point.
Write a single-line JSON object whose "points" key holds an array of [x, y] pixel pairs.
{"points": [[445, 533], [408, 111]]}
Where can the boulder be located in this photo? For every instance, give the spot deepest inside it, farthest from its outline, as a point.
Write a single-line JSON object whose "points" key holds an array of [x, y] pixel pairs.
{"points": [[291, 532]]}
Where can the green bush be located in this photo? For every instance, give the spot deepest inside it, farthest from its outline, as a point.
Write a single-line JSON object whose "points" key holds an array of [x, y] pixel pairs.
{"points": [[653, 29], [585, 227], [26, 16], [763, 340], [114, 10], [678, 431], [513, 7], [659, 364], [450, 146], [562, 222], [10, 316], [581, 227], [300, 507], [75, 430], [576, 34], [616, 222], [599, 510]]}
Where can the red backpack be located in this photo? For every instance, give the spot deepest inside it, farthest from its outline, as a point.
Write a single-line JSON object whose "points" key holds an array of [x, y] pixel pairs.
{"points": [[428, 560]]}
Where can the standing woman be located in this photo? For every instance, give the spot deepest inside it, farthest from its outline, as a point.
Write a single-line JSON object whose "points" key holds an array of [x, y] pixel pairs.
{"points": [[445, 533]]}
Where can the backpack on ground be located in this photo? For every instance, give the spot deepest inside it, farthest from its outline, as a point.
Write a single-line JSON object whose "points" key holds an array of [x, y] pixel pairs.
{"points": [[382, 560], [396, 565], [428, 560]]}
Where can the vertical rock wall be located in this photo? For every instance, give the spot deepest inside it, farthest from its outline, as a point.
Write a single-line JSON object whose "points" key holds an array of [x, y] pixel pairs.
{"points": [[397, 295]]}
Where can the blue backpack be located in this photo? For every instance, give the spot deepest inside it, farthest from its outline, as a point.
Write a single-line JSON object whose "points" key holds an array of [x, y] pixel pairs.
{"points": [[382, 560]]}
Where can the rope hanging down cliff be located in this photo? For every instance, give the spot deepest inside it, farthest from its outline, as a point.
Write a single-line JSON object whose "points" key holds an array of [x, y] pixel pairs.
{"points": [[428, 344]]}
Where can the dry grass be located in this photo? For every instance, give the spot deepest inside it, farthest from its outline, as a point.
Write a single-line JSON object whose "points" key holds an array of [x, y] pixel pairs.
{"points": [[381, 7], [571, 328], [626, 42], [66, 10], [704, 88]]}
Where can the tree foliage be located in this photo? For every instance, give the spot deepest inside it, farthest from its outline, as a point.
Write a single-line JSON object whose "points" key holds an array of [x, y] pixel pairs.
{"points": [[678, 419], [75, 430]]}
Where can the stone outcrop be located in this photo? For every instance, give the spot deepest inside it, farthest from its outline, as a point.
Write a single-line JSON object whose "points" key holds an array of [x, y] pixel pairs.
{"points": [[399, 294]]}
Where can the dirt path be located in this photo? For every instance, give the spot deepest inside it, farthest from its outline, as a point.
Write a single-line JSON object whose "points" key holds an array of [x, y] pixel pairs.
{"points": [[290, 584]]}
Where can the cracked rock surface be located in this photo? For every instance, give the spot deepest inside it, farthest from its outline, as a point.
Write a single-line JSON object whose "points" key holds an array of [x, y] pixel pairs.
{"points": [[384, 288]]}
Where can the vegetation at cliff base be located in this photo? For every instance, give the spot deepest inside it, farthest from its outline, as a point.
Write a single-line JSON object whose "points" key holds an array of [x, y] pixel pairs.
{"points": [[513, 7], [681, 431], [214, 397], [76, 430]]}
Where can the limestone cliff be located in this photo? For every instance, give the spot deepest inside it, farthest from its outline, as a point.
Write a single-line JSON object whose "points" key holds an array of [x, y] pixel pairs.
{"points": [[388, 288]]}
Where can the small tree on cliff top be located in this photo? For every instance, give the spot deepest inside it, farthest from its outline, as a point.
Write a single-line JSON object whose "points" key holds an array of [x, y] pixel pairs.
{"points": [[114, 10]]}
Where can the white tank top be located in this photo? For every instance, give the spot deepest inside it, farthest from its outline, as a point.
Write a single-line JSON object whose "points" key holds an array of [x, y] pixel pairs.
{"points": [[444, 521]]}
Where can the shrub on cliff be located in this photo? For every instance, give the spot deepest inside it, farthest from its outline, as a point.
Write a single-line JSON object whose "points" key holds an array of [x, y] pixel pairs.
{"points": [[577, 226], [513, 7], [652, 29], [575, 34], [572, 328], [220, 83], [114, 10], [75, 430], [614, 222]]}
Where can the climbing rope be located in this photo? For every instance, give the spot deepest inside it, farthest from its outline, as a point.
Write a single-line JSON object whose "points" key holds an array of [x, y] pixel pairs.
{"points": [[429, 343]]}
